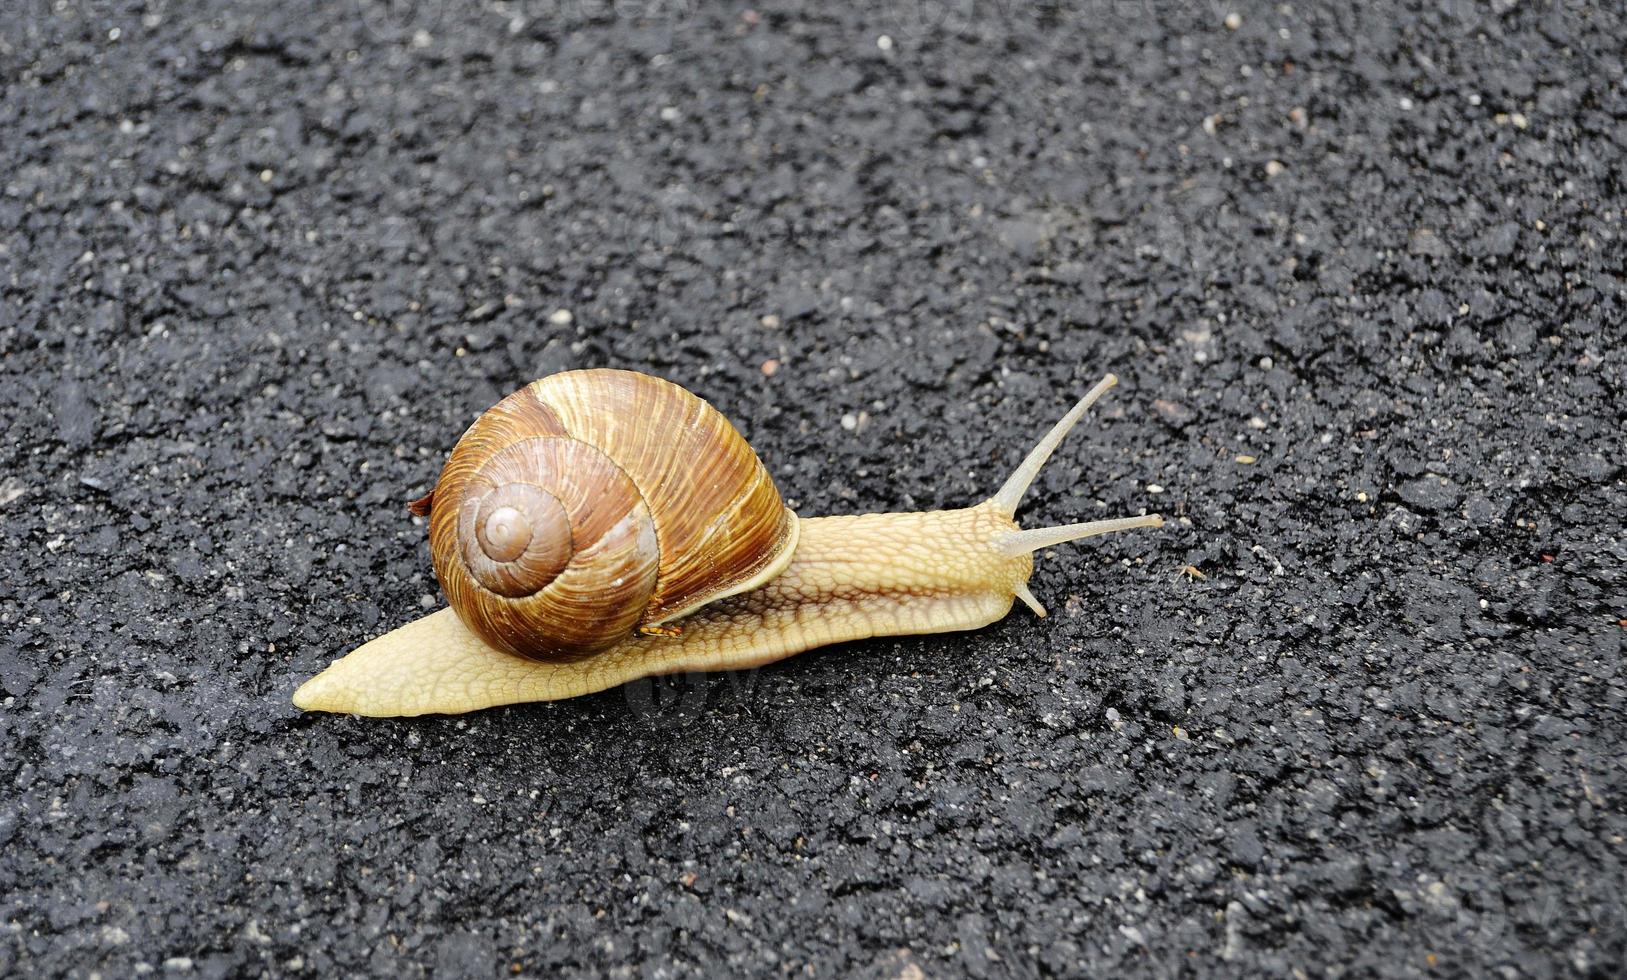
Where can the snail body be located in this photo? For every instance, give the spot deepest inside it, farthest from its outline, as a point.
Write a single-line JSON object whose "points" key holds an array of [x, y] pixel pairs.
{"points": [[758, 585]]}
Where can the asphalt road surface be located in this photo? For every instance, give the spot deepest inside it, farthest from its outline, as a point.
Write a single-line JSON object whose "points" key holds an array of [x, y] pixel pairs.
{"points": [[1357, 709]]}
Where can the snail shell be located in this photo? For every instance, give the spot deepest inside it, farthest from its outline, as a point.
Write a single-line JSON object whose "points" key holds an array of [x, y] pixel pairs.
{"points": [[591, 504]]}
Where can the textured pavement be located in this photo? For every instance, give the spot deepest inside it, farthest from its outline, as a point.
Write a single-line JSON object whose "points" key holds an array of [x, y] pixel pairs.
{"points": [[1357, 709]]}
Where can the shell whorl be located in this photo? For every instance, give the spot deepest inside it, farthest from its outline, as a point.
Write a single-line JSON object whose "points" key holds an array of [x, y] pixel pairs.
{"points": [[590, 503], [516, 537]]}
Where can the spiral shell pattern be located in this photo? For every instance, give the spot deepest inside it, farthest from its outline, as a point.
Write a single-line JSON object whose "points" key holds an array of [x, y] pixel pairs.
{"points": [[591, 503]]}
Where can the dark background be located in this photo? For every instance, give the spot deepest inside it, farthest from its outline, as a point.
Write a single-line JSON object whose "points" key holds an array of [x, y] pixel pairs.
{"points": [[261, 263]]}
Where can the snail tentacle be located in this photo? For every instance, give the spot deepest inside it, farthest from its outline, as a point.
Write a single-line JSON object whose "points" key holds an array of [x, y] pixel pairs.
{"points": [[1010, 494]]}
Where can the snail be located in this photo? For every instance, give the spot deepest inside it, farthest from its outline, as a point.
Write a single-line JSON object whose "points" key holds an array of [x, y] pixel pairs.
{"points": [[600, 526]]}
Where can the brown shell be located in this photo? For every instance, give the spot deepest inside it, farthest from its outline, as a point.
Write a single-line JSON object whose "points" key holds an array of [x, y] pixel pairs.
{"points": [[591, 503]]}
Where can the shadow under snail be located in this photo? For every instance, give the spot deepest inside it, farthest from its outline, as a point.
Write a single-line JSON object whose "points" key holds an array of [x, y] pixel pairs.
{"points": [[600, 526]]}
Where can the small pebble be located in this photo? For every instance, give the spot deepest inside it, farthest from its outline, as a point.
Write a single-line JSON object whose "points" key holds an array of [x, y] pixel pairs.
{"points": [[1234, 20], [1173, 412], [770, 366], [561, 318], [884, 42], [1246, 459]]}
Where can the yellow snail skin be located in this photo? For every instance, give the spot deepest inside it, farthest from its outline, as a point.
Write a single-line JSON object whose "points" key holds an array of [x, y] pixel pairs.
{"points": [[809, 582]]}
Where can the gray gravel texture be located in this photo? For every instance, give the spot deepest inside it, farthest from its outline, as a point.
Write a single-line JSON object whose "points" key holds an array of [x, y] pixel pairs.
{"points": [[261, 263]]}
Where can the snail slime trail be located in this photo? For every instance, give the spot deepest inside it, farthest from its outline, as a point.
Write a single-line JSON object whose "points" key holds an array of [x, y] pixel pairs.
{"points": [[579, 551]]}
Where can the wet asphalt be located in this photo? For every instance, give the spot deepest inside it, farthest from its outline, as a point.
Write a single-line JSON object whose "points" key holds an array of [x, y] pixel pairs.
{"points": [[1357, 709]]}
